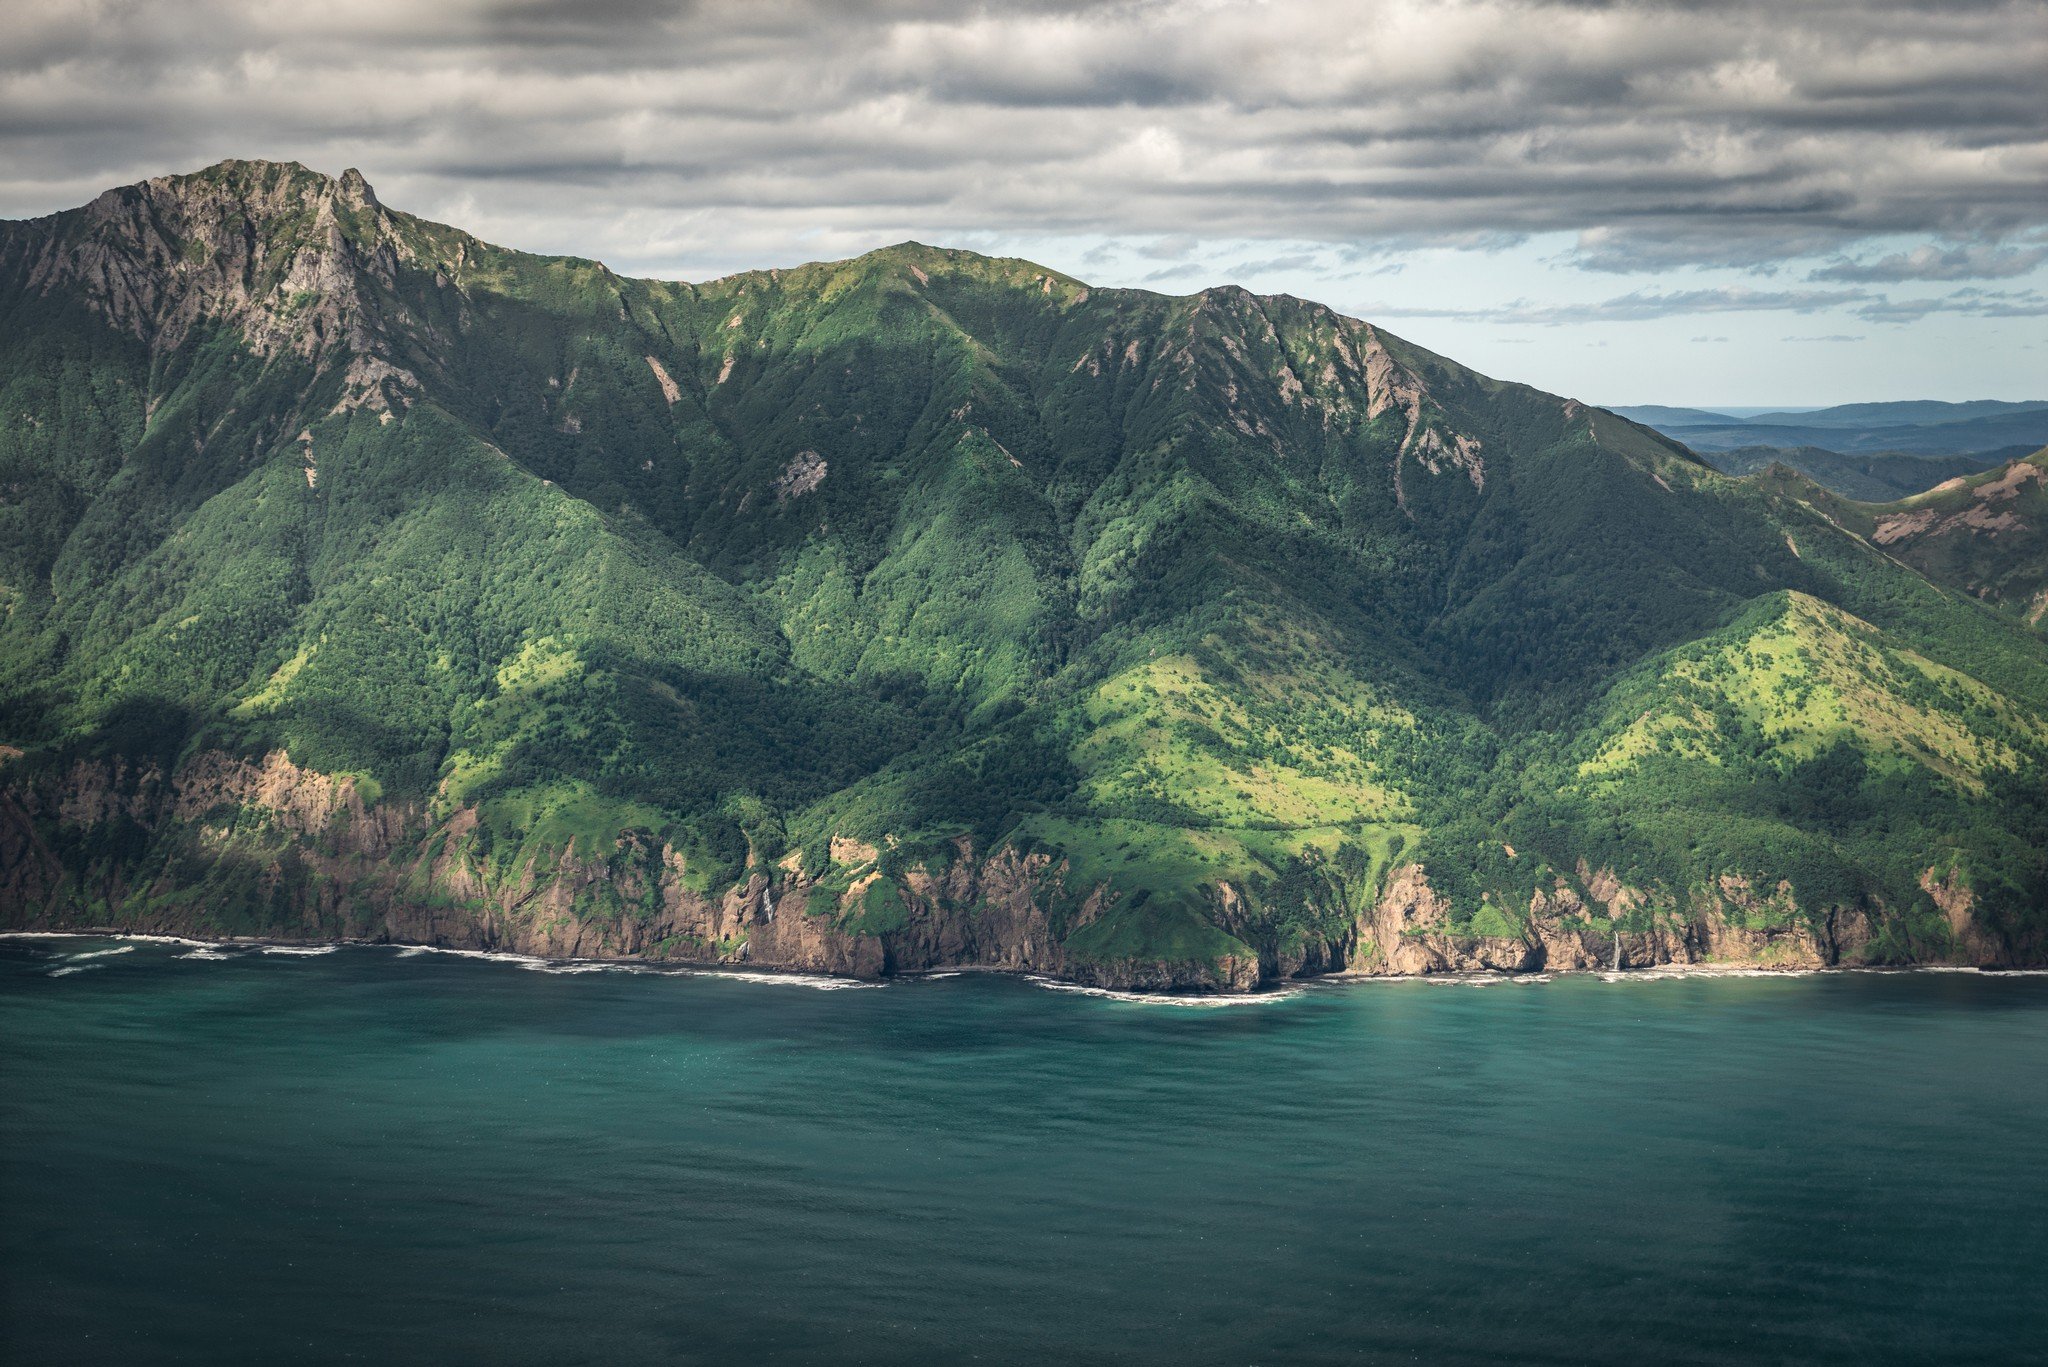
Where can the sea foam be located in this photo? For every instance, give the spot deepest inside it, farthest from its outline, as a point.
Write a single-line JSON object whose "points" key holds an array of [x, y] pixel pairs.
{"points": [[1164, 998], [817, 981]]}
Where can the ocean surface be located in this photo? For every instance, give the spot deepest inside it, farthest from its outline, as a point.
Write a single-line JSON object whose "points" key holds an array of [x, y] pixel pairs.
{"points": [[366, 1155]]}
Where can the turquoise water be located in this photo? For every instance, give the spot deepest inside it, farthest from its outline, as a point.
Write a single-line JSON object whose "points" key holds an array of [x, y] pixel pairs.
{"points": [[363, 1156]]}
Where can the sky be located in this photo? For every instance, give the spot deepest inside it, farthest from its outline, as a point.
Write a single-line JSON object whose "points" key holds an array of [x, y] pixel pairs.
{"points": [[1656, 201]]}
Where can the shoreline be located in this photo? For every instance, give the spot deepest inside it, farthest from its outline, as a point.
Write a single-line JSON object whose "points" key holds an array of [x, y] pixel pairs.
{"points": [[826, 981]]}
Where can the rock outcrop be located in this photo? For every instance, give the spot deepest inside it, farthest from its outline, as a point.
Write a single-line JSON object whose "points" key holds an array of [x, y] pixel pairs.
{"points": [[266, 848], [162, 259], [296, 854]]}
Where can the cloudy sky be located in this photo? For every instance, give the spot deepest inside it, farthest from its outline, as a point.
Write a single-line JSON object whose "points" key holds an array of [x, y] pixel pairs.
{"points": [[1670, 201]]}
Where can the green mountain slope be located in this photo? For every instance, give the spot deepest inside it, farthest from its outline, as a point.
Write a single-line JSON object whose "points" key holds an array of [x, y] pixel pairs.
{"points": [[1878, 479], [1984, 534], [366, 579]]}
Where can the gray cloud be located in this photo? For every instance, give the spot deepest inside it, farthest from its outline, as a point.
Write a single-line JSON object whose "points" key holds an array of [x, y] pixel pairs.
{"points": [[1967, 261], [723, 133], [1970, 302], [1293, 261], [1642, 305]]}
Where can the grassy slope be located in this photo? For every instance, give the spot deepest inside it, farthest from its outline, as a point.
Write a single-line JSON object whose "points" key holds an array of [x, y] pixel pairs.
{"points": [[1981, 534], [1875, 478], [1161, 583]]}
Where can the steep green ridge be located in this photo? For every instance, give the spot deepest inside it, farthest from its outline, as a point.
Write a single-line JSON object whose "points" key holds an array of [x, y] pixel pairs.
{"points": [[1985, 534], [1223, 619], [1876, 478]]}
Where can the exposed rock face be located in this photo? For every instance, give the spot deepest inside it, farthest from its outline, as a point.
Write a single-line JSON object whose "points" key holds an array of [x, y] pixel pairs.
{"points": [[670, 390], [1983, 535], [1389, 385], [805, 472], [1610, 925], [327, 865], [161, 258], [324, 863], [1405, 931], [1973, 941]]}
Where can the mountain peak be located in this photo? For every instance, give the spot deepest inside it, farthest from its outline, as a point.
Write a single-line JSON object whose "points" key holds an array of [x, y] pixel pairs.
{"points": [[287, 258], [358, 189]]}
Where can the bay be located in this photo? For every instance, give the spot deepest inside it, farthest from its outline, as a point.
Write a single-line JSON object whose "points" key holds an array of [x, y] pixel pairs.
{"points": [[367, 1155]]}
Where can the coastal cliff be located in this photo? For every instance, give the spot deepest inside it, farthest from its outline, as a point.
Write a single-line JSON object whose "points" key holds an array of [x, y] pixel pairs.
{"points": [[259, 847]]}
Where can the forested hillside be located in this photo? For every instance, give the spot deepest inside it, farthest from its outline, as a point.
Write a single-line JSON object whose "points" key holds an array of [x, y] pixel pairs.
{"points": [[365, 579]]}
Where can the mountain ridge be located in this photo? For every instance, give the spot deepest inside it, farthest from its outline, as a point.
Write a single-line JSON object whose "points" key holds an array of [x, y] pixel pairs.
{"points": [[919, 609]]}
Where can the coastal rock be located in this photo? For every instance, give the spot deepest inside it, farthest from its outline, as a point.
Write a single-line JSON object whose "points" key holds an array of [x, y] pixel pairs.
{"points": [[299, 854]]}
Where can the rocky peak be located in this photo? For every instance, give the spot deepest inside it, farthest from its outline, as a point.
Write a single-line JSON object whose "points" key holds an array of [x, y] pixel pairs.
{"points": [[295, 261], [357, 190]]}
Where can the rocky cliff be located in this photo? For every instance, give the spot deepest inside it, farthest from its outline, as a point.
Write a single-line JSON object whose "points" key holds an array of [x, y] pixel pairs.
{"points": [[227, 847]]}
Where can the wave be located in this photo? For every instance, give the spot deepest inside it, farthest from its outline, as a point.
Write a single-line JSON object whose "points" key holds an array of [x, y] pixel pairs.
{"points": [[1165, 998], [207, 953], [102, 953], [818, 981], [533, 963], [99, 935], [299, 951], [1673, 972], [496, 956], [74, 968]]}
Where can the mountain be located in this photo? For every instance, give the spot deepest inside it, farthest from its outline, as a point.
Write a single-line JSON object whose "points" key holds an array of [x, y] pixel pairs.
{"points": [[1916, 428], [1875, 478], [1985, 534], [1911, 412], [1661, 416], [364, 579]]}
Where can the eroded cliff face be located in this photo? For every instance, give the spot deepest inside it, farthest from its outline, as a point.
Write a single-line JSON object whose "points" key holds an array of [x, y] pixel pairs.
{"points": [[229, 846], [161, 259], [1598, 922], [232, 846]]}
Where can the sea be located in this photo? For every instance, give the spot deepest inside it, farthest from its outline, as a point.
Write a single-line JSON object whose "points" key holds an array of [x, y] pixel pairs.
{"points": [[377, 1155]]}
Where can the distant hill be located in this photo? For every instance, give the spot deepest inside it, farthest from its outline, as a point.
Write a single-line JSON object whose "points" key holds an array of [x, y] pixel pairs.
{"points": [[1875, 479], [1837, 430], [1909, 411], [363, 579], [1659, 416], [1984, 534]]}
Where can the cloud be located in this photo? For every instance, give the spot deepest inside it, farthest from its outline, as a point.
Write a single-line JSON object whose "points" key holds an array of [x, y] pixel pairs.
{"points": [[711, 135], [1292, 261], [1642, 305], [1970, 261], [1827, 337], [1969, 302]]}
